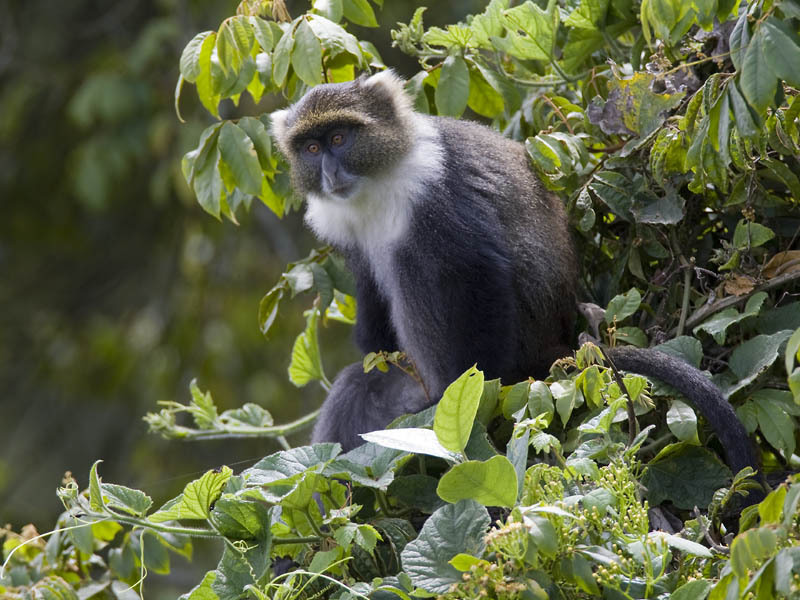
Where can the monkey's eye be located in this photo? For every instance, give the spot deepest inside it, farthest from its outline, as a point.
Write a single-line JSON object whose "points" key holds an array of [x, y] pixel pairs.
{"points": [[313, 147], [337, 139]]}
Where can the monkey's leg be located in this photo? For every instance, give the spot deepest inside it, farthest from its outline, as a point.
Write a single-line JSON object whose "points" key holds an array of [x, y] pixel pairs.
{"points": [[359, 402]]}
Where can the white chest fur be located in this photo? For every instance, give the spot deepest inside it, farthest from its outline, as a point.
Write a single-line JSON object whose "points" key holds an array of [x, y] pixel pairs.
{"points": [[378, 214]]}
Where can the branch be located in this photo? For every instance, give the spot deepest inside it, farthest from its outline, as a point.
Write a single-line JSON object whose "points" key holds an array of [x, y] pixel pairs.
{"points": [[709, 309]]}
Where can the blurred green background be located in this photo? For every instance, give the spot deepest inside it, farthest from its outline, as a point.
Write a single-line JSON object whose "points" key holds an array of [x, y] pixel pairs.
{"points": [[116, 289]]}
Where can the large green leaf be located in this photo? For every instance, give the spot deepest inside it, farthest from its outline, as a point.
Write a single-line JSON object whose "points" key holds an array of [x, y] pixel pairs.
{"points": [[359, 12], [491, 483], [684, 474], [239, 153], [456, 410], [452, 91], [307, 55], [451, 530]]}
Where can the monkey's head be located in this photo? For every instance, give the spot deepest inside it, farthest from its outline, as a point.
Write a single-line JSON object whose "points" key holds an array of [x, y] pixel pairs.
{"points": [[340, 134]]}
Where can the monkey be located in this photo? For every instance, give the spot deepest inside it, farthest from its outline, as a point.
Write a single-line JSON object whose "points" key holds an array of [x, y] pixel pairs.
{"points": [[460, 256]]}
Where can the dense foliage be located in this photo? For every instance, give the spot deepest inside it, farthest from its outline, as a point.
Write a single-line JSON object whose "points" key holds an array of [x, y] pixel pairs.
{"points": [[670, 130]]}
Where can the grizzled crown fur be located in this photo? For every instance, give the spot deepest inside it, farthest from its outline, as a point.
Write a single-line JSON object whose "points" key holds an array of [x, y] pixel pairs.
{"points": [[377, 106]]}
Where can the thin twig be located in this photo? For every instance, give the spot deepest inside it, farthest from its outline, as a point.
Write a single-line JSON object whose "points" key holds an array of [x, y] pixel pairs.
{"points": [[709, 309], [633, 424]]}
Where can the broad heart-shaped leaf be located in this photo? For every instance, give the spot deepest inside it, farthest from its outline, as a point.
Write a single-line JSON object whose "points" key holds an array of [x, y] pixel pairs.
{"points": [[451, 530], [457, 409], [686, 475], [197, 497], [452, 91], [537, 29], [288, 463], [491, 483], [410, 439], [239, 153], [307, 54], [306, 362]]}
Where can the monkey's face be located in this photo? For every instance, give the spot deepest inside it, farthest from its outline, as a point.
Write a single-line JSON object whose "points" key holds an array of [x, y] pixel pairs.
{"points": [[327, 162], [339, 136]]}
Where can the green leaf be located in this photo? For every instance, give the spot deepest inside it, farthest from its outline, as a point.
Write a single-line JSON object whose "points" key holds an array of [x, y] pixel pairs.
{"points": [[268, 308], [483, 98], [456, 411], [792, 350], [540, 400], [530, 31], [263, 33], [236, 518], [754, 356], [131, 501], [751, 235], [745, 120], [684, 474], [359, 12], [775, 423], [693, 590], [335, 39], [306, 362], [307, 55], [207, 185], [718, 324], [330, 9], [515, 398], [451, 530], [197, 498], [205, 84], [239, 153], [623, 306], [750, 548], [412, 440], [452, 91], [95, 493], [257, 132], [785, 175], [289, 463], [491, 483], [190, 58], [757, 80], [567, 396], [281, 57], [682, 422], [782, 47]]}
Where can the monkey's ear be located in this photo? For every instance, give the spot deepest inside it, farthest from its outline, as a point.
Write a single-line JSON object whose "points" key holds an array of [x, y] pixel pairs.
{"points": [[278, 127], [392, 86]]}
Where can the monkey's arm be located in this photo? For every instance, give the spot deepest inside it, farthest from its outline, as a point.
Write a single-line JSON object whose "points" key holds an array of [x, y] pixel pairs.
{"points": [[373, 329]]}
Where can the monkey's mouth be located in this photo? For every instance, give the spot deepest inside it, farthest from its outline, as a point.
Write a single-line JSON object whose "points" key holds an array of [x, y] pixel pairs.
{"points": [[341, 190]]}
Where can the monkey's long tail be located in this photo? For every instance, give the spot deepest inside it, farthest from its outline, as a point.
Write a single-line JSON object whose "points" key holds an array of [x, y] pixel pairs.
{"points": [[701, 393]]}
